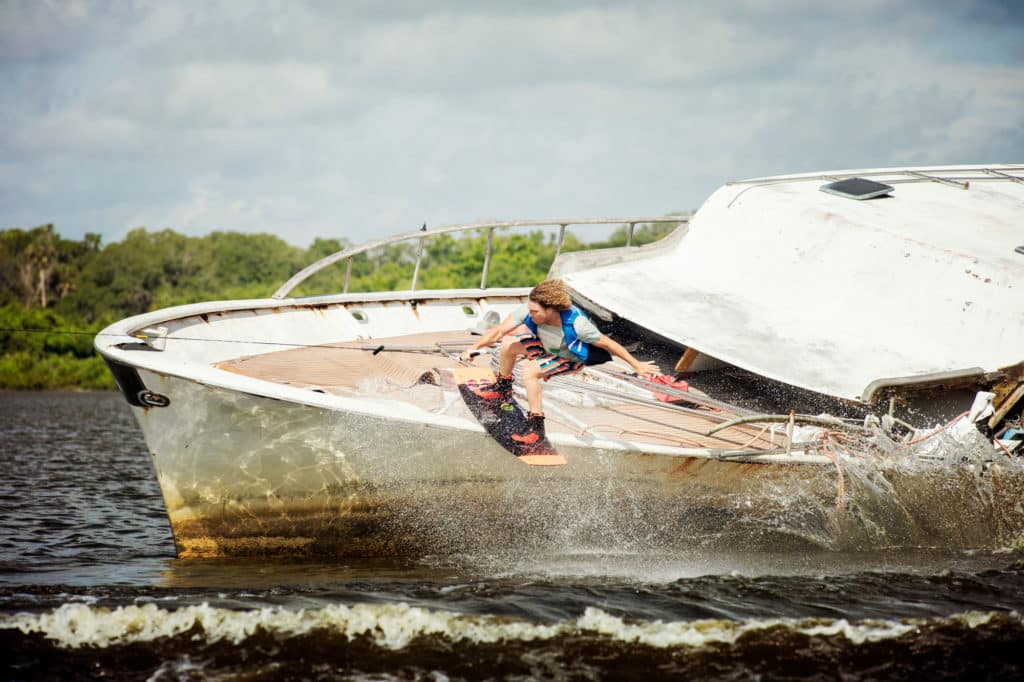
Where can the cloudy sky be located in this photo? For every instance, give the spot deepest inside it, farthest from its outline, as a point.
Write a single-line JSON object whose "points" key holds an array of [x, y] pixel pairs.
{"points": [[361, 119]]}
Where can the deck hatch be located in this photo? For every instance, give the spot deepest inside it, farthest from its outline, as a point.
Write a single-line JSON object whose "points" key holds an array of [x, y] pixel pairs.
{"points": [[857, 188]]}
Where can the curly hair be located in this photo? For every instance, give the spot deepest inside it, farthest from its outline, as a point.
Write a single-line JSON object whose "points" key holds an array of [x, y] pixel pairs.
{"points": [[552, 293]]}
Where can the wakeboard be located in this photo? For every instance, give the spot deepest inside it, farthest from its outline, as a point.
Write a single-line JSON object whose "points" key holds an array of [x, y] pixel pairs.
{"points": [[504, 420]]}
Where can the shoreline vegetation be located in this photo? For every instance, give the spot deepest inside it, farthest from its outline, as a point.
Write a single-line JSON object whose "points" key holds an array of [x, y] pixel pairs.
{"points": [[58, 293]]}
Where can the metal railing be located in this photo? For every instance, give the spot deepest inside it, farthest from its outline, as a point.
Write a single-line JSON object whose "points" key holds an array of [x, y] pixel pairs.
{"points": [[956, 176], [960, 177], [422, 235]]}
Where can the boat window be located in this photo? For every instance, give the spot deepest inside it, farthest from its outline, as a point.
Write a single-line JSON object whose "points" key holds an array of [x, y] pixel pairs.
{"points": [[857, 188], [359, 315], [469, 311]]}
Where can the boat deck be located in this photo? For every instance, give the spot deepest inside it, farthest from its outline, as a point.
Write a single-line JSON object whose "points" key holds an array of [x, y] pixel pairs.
{"points": [[411, 368]]}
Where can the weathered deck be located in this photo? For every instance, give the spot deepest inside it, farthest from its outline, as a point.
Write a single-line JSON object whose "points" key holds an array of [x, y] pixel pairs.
{"points": [[348, 368]]}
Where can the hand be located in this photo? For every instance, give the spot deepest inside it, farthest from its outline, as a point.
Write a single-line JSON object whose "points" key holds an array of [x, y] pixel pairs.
{"points": [[468, 354], [647, 369]]}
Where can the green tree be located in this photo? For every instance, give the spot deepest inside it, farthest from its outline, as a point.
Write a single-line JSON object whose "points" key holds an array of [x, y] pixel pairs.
{"points": [[57, 293]]}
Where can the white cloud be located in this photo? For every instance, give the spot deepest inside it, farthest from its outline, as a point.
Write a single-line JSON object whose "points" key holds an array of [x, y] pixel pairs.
{"points": [[631, 48], [75, 130], [308, 119], [207, 206], [41, 29], [242, 94]]}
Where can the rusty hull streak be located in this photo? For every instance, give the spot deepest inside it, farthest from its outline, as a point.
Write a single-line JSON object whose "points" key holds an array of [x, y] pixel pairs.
{"points": [[333, 530], [342, 527], [318, 308]]}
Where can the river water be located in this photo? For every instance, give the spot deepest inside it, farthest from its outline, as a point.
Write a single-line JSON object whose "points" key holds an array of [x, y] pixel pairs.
{"points": [[90, 588]]}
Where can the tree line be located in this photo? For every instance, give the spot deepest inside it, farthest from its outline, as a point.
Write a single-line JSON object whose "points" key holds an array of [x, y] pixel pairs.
{"points": [[57, 293]]}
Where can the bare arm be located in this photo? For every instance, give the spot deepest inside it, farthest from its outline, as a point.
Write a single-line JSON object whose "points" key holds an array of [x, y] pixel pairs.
{"points": [[491, 336], [616, 349]]}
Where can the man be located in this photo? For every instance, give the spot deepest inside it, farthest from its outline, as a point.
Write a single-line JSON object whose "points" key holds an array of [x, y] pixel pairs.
{"points": [[558, 338]]}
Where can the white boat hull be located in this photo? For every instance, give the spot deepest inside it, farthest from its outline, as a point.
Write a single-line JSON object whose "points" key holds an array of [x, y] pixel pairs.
{"points": [[244, 474], [250, 475]]}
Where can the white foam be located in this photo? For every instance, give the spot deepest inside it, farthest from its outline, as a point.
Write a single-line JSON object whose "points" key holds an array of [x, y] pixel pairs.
{"points": [[660, 634], [390, 625], [864, 631], [702, 632], [394, 626]]}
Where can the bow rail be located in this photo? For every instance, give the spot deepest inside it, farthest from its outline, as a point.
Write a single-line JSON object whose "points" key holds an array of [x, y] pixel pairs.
{"points": [[423, 235]]}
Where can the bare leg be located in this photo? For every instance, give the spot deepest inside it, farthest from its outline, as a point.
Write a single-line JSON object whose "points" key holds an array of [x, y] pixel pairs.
{"points": [[511, 349], [531, 378]]}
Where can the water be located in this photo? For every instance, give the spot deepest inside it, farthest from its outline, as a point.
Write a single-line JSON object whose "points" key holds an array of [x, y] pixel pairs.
{"points": [[90, 587]]}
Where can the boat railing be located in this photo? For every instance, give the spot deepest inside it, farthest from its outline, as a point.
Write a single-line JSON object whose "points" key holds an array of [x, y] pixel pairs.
{"points": [[423, 234], [956, 176], [959, 177]]}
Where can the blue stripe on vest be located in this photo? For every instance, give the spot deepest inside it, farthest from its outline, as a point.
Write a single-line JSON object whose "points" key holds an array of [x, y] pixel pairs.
{"points": [[577, 347]]}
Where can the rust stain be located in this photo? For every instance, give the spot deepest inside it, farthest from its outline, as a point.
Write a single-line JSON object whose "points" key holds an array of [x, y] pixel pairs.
{"points": [[209, 546], [683, 466], [318, 308], [344, 528]]}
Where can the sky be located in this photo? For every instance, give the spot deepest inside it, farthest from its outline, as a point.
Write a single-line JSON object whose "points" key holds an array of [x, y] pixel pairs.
{"points": [[358, 120]]}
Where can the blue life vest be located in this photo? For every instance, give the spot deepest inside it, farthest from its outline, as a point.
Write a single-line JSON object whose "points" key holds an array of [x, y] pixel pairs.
{"points": [[576, 347]]}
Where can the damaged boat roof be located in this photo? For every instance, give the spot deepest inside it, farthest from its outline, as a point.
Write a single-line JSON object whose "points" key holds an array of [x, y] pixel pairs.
{"points": [[836, 295]]}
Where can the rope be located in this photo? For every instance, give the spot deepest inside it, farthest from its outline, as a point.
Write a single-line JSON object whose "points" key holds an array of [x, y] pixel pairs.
{"points": [[583, 388], [687, 396], [936, 431], [1005, 449], [756, 436], [368, 347], [826, 440], [777, 418]]}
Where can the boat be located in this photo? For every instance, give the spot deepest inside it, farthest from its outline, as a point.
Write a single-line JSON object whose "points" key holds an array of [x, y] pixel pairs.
{"points": [[918, 286], [332, 425]]}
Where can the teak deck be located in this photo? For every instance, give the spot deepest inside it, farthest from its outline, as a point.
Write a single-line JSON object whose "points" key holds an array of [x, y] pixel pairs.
{"points": [[350, 368]]}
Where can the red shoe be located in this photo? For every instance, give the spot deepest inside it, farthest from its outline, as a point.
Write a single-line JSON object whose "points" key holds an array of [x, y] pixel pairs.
{"points": [[487, 392], [533, 430], [502, 388]]}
